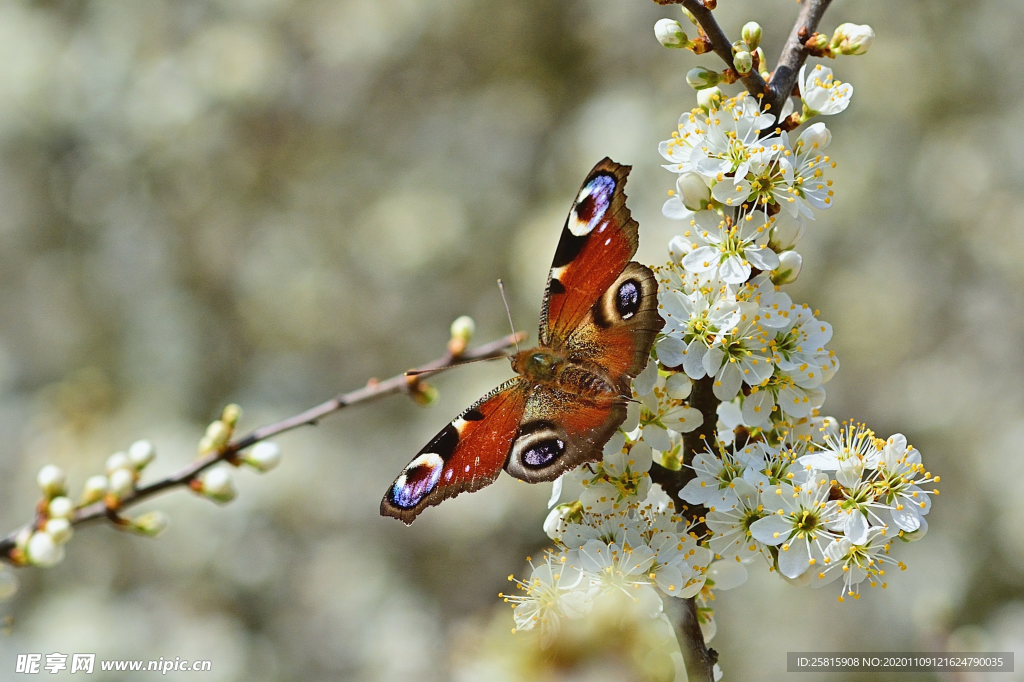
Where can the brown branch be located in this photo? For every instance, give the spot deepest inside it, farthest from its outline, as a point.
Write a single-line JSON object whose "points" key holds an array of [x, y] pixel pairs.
{"points": [[373, 390], [700, 660], [720, 43], [794, 54]]}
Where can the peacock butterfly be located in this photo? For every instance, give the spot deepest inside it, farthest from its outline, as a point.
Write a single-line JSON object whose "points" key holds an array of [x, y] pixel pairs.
{"points": [[597, 325]]}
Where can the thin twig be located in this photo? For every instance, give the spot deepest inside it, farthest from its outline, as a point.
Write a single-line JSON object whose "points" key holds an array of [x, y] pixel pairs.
{"points": [[373, 390], [794, 54]]}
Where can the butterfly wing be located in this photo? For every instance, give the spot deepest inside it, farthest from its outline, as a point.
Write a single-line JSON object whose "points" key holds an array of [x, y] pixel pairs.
{"points": [[561, 430], [618, 331], [598, 239], [466, 455]]}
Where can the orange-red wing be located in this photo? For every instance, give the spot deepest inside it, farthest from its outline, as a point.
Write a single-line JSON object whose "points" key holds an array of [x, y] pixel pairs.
{"points": [[561, 430], [598, 239], [618, 331], [468, 454]]}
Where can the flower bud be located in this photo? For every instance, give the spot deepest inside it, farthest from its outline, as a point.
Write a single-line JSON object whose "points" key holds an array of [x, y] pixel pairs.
{"points": [[762, 64], [121, 482], [151, 523], [217, 436], [462, 331], [59, 530], [818, 46], [670, 33], [743, 62], [140, 454], [752, 34], [423, 393], [790, 263], [263, 456], [852, 39], [709, 98], [217, 485], [816, 136], [60, 508], [230, 415], [699, 78], [693, 192], [42, 550], [118, 460], [786, 231], [554, 524], [8, 584], [94, 489], [51, 480]]}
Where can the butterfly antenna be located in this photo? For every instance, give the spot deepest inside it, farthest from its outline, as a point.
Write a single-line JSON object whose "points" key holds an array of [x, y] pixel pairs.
{"points": [[417, 372], [501, 288]]}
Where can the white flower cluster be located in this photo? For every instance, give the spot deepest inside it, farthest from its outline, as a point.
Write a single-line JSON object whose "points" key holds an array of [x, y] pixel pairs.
{"points": [[634, 547], [815, 500], [784, 503], [619, 535]]}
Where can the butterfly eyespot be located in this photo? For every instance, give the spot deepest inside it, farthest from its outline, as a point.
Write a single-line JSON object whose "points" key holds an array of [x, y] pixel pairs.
{"points": [[543, 453], [627, 299], [591, 205]]}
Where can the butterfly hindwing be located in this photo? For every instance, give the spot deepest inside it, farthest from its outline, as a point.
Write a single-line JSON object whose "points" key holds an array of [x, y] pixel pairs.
{"points": [[466, 455], [560, 430], [618, 331], [598, 239]]}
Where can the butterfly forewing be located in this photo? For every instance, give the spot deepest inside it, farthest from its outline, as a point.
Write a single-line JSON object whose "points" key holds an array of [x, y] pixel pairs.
{"points": [[466, 455], [598, 239]]}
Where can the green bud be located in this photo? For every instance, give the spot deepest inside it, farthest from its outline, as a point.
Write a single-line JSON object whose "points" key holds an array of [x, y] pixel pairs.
{"points": [[852, 39], [51, 480], [762, 64], [752, 34], [699, 78], [151, 523], [217, 436], [230, 415], [94, 489], [743, 62], [790, 263], [670, 34]]}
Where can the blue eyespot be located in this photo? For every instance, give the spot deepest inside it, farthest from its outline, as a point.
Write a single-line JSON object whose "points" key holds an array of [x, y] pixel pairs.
{"points": [[417, 481], [592, 204]]}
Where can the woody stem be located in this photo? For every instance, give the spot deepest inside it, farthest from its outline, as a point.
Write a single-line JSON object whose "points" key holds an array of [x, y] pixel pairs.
{"points": [[373, 390]]}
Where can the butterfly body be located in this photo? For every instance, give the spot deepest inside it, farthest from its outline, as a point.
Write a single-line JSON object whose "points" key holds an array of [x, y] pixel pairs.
{"points": [[598, 323]]}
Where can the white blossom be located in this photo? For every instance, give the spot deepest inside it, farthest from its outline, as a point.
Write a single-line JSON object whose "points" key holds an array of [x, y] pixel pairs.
{"points": [[796, 524], [555, 590], [821, 93]]}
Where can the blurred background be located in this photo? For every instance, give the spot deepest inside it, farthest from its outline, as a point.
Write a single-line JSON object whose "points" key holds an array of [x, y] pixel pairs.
{"points": [[271, 201]]}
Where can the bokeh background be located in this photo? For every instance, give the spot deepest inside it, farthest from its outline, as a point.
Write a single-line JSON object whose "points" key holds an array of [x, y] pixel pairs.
{"points": [[270, 201]]}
